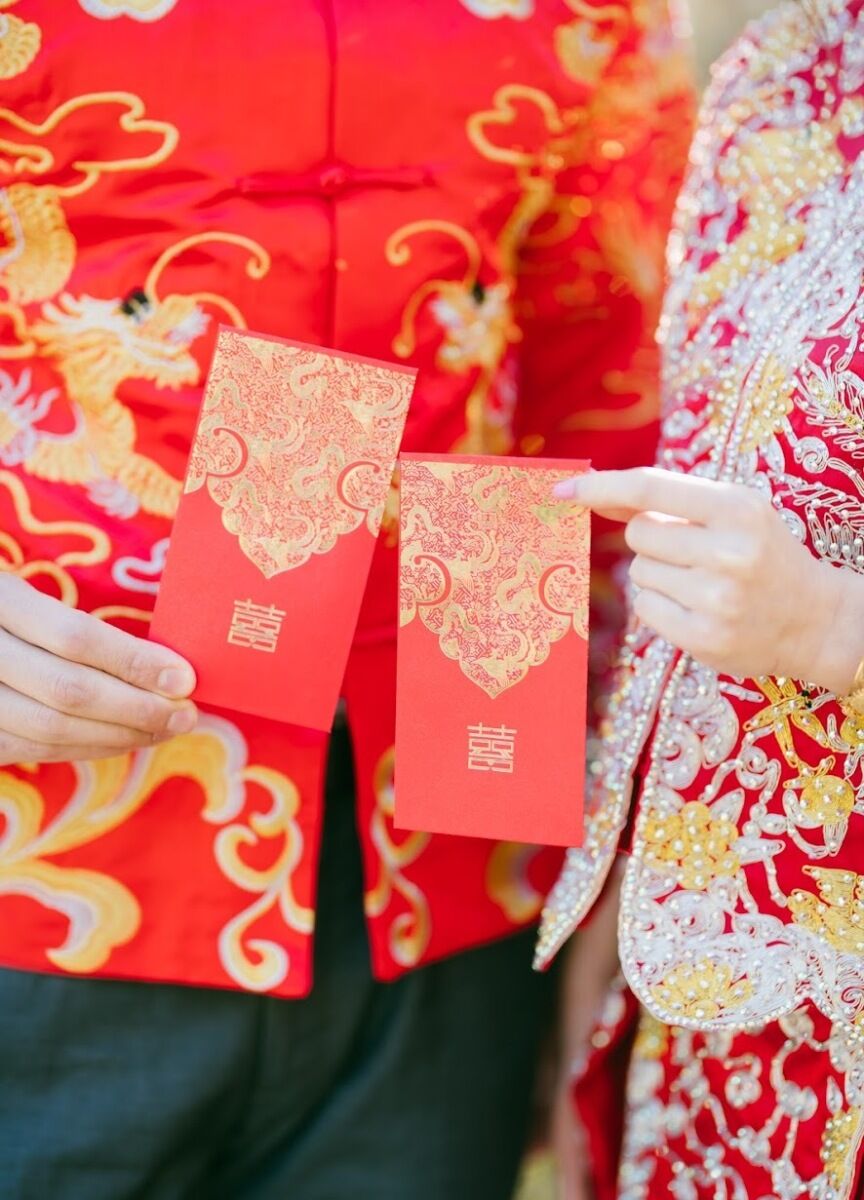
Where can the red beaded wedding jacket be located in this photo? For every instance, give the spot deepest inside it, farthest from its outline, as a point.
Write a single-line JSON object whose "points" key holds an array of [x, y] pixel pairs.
{"points": [[742, 912]]}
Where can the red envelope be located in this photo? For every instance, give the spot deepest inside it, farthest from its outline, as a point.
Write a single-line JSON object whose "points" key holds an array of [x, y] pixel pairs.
{"points": [[273, 541], [490, 724]]}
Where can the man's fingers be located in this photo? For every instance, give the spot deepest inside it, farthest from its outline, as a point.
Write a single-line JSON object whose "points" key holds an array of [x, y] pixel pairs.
{"points": [[649, 489], [83, 639], [25, 718], [84, 692], [14, 750]]}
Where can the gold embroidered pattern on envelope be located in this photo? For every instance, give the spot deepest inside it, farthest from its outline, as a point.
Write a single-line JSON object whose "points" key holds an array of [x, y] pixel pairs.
{"points": [[296, 446], [492, 565]]}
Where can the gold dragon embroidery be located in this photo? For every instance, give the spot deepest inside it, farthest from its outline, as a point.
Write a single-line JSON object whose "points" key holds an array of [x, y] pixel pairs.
{"points": [[96, 345], [20, 42]]}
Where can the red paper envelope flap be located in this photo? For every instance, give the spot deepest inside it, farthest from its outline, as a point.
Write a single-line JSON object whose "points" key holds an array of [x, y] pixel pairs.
{"points": [[284, 496], [494, 577]]}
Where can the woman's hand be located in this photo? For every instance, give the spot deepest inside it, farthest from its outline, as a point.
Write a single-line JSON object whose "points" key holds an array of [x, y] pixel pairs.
{"points": [[720, 575], [73, 687]]}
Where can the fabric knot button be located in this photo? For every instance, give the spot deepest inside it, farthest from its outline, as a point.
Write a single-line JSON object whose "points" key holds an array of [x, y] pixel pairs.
{"points": [[333, 179]]}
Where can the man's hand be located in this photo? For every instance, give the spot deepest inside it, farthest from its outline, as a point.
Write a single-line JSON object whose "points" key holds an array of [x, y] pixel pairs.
{"points": [[73, 687], [720, 575]]}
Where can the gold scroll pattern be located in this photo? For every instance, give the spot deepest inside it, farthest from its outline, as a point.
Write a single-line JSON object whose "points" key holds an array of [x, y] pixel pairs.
{"points": [[101, 911], [291, 479], [492, 565], [410, 931]]}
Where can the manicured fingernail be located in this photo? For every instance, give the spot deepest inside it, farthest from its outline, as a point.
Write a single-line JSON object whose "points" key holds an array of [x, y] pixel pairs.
{"points": [[567, 489], [176, 681], [183, 720]]}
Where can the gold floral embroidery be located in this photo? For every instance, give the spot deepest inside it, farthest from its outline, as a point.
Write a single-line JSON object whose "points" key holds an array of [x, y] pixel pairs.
{"points": [[250, 453], [498, 608], [507, 882], [852, 732], [694, 843], [19, 45], [652, 1038], [138, 10], [839, 1141], [701, 991], [410, 931], [823, 800], [837, 914], [782, 317], [789, 709]]}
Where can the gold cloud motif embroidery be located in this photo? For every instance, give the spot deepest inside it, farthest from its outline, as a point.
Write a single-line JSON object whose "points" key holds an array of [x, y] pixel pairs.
{"points": [[101, 911], [138, 10], [493, 10], [494, 602]]}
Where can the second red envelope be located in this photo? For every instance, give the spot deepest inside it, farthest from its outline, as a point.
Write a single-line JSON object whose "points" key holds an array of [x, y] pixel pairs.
{"points": [[492, 666]]}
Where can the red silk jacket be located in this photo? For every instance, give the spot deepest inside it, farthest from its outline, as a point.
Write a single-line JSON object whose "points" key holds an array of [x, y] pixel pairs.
{"points": [[479, 188], [741, 927]]}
